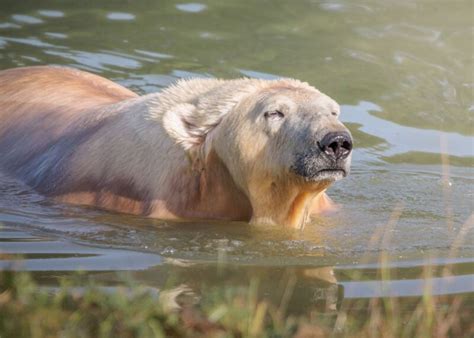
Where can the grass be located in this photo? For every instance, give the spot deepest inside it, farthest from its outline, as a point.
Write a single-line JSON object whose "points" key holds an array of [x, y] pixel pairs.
{"points": [[29, 310]]}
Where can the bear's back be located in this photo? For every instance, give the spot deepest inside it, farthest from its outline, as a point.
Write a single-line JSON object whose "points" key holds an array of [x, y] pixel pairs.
{"points": [[46, 112]]}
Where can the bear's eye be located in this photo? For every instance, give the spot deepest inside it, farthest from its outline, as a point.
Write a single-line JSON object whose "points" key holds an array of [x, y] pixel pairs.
{"points": [[274, 115]]}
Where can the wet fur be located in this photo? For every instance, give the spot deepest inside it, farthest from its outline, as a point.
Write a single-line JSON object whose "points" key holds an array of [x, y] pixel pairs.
{"points": [[83, 139]]}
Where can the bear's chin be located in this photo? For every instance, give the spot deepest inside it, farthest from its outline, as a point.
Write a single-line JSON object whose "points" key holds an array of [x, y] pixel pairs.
{"points": [[330, 175]]}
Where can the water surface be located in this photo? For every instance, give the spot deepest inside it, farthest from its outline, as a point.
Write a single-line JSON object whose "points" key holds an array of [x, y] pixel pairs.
{"points": [[403, 74]]}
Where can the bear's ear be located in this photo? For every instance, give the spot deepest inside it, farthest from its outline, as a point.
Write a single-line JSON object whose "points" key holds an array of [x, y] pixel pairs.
{"points": [[177, 123], [189, 128]]}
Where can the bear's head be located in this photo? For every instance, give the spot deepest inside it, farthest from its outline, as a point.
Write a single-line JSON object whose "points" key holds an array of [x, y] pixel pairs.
{"points": [[284, 144], [281, 141]]}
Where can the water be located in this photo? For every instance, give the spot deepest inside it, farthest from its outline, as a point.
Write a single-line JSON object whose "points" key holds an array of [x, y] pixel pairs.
{"points": [[403, 73]]}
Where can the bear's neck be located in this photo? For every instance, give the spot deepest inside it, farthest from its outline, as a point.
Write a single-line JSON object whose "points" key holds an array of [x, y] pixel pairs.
{"points": [[284, 203], [212, 193]]}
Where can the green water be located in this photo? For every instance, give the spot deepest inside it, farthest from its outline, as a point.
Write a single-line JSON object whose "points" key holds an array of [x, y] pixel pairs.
{"points": [[403, 74]]}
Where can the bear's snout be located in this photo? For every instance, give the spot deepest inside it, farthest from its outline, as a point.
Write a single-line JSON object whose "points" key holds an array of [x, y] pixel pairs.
{"points": [[324, 159], [336, 145]]}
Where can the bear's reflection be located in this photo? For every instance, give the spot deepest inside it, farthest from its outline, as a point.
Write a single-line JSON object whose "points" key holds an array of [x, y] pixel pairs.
{"points": [[297, 289]]}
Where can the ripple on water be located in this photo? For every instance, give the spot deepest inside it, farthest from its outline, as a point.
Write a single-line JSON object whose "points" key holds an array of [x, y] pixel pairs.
{"points": [[154, 54], [55, 35], [191, 7], [100, 60], [51, 13], [27, 19], [120, 16], [362, 56], [332, 6], [413, 32], [9, 25], [31, 41]]}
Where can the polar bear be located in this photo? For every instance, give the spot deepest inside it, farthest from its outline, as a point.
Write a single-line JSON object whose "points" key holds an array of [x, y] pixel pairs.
{"points": [[262, 151]]}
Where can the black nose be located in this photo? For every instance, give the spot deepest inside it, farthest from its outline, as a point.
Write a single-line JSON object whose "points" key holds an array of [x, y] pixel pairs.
{"points": [[336, 145]]}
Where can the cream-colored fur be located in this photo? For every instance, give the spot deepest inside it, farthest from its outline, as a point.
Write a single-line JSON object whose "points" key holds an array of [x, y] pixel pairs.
{"points": [[198, 149]]}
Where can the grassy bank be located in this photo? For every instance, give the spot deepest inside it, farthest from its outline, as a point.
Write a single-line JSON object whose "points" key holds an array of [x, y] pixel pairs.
{"points": [[28, 310]]}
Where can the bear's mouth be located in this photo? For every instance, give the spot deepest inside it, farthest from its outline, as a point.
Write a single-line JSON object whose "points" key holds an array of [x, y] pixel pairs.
{"points": [[315, 169], [328, 174]]}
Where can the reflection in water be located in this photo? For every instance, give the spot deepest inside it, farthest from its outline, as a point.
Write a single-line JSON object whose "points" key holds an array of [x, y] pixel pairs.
{"points": [[322, 287]]}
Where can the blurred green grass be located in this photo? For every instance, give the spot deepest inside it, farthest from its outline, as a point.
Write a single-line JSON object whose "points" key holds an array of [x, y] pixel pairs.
{"points": [[30, 310]]}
